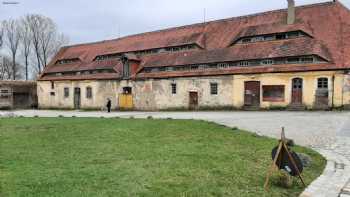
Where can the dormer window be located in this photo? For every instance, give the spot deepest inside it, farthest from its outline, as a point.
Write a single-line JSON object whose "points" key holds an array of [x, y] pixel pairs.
{"points": [[67, 61], [267, 62], [244, 63], [107, 57], [270, 37]]}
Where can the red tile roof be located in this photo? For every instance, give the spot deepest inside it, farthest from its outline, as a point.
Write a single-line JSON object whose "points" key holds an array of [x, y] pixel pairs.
{"points": [[252, 51], [328, 24], [97, 76], [84, 66]]}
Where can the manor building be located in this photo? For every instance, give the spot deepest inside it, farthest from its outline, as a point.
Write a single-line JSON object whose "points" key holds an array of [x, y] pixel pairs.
{"points": [[296, 58]]}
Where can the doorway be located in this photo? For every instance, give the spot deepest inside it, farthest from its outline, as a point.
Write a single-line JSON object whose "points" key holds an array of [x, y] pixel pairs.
{"points": [[193, 103], [252, 93], [126, 99], [77, 98], [297, 91]]}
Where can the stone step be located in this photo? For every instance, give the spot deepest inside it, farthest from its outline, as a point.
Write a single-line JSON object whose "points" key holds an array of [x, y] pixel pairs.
{"points": [[296, 107]]}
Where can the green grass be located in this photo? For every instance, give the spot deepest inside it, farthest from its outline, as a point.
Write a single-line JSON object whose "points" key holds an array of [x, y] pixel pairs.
{"points": [[131, 157]]}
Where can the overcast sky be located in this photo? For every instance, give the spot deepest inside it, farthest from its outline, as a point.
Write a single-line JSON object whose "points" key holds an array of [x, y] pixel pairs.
{"points": [[94, 20]]}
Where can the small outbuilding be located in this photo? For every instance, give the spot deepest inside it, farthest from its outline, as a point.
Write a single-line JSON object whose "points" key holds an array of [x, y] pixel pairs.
{"points": [[18, 94]]}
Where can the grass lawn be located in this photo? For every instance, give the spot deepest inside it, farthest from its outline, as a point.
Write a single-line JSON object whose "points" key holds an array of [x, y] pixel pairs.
{"points": [[129, 157]]}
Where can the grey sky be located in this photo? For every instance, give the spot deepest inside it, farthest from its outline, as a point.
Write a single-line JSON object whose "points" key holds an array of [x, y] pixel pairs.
{"points": [[93, 20]]}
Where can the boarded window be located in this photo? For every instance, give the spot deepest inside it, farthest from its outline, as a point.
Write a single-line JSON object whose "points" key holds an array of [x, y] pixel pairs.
{"points": [[173, 88], [5, 93], [66, 92], [89, 92], [273, 93], [322, 83], [213, 88]]}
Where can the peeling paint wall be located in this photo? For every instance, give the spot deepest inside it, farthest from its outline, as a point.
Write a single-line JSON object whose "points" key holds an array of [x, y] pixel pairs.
{"points": [[101, 90], [156, 94], [309, 87]]}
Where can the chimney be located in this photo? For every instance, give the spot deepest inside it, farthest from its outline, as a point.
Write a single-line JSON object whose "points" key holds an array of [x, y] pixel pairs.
{"points": [[291, 12]]}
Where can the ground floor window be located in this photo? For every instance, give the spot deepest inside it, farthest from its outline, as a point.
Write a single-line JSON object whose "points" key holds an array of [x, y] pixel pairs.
{"points": [[213, 88], [66, 92], [173, 88], [89, 92], [273, 93], [322, 83]]}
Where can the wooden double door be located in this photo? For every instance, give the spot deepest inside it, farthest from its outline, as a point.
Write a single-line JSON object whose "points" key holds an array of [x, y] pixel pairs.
{"points": [[252, 94]]}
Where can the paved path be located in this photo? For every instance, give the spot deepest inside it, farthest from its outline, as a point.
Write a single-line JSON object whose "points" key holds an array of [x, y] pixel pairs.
{"points": [[326, 132]]}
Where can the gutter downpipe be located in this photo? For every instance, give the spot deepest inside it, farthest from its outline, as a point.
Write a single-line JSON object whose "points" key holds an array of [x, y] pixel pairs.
{"points": [[333, 79]]}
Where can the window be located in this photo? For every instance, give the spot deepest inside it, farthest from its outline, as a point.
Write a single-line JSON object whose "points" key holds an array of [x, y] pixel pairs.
{"points": [[293, 34], [5, 93], [244, 63], [281, 36], [66, 92], [292, 60], [273, 93], [126, 69], [267, 62], [322, 83], [88, 92], [307, 59], [173, 88], [223, 65], [246, 40], [52, 85], [52, 93], [213, 88]]}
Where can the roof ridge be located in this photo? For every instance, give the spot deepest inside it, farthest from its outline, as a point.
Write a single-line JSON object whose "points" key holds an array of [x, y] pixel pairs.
{"points": [[204, 24]]}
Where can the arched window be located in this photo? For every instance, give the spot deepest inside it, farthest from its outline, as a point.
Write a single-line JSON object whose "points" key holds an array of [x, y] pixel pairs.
{"points": [[89, 92]]}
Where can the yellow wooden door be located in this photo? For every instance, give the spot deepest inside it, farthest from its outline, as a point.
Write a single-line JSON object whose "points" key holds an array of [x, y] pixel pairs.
{"points": [[125, 101]]}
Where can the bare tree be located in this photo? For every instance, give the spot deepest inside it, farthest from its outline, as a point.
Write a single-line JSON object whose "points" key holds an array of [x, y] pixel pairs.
{"points": [[1, 35], [26, 41], [35, 23], [6, 71], [12, 40], [45, 38]]}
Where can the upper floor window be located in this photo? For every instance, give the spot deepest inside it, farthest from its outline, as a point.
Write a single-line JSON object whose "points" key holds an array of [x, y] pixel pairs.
{"points": [[322, 83], [88, 92], [108, 56], [270, 37], [67, 61], [52, 85], [267, 62], [244, 63], [213, 88]]}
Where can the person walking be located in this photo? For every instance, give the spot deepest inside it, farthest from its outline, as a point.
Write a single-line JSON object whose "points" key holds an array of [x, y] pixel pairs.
{"points": [[109, 105]]}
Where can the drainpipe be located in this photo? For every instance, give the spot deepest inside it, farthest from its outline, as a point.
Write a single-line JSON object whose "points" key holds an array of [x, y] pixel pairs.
{"points": [[333, 79]]}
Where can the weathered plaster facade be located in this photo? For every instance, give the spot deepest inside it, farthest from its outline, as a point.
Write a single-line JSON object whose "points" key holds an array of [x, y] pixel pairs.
{"points": [[341, 94], [156, 94]]}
